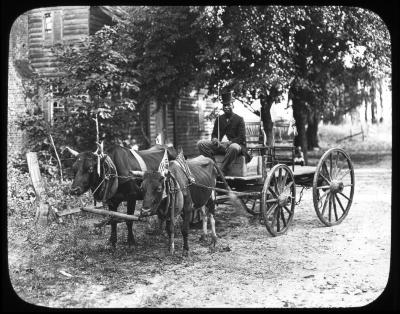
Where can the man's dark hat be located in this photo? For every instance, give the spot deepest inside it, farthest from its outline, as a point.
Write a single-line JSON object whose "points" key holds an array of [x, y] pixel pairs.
{"points": [[227, 98]]}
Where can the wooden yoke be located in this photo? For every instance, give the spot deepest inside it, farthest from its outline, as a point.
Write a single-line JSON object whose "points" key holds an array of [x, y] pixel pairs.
{"points": [[42, 209]]}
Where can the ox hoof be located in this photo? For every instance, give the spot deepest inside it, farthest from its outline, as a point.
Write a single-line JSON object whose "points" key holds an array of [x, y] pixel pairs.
{"points": [[213, 241]]}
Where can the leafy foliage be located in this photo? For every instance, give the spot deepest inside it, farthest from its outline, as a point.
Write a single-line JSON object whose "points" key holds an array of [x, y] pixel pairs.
{"points": [[99, 80]]}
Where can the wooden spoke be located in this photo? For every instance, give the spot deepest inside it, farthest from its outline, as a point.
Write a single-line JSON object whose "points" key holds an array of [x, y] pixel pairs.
{"points": [[287, 187], [280, 180], [340, 203], [330, 163], [336, 163], [271, 200], [323, 187], [326, 179], [272, 209], [344, 196], [334, 206], [284, 181], [338, 172], [276, 186], [325, 168], [322, 196], [288, 210], [345, 174], [273, 192], [276, 219], [325, 203], [330, 207]]}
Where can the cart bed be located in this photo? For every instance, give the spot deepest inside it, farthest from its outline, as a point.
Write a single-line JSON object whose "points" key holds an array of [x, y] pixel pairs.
{"points": [[299, 171]]}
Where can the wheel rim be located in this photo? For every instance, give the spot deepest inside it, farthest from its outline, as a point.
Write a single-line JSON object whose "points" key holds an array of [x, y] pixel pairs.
{"points": [[333, 187], [252, 205], [278, 199]]}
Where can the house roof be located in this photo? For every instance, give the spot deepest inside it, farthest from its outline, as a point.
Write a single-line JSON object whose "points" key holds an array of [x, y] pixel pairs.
{"points": [[115, 12]]}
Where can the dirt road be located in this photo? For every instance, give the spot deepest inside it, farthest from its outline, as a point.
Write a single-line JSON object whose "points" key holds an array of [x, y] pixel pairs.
{"points": [[311, 266]]}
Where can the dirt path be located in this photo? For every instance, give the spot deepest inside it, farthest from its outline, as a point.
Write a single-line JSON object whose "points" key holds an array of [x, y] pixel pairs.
{"points": [[310, 266]]}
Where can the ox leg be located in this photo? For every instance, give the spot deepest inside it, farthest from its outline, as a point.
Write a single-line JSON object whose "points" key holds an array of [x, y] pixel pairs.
{"points": [[213, 233], [129, 223], [113, 237], [185, 228], [204, 217], [171, 236], [211, 210]]}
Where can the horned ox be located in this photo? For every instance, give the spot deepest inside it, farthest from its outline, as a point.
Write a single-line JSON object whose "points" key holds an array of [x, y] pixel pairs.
{"points": [[114, 184], [181, 196]]}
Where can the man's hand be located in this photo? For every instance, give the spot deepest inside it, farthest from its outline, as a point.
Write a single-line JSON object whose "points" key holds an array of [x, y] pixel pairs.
{"points": [[215, 141]]}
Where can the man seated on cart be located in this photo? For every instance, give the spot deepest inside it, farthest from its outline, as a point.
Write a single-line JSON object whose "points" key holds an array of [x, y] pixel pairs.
{"points": [[232, 126]]}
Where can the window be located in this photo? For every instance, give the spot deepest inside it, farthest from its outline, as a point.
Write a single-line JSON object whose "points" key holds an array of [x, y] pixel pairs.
{"points": [[48, 27], [52, 27]]}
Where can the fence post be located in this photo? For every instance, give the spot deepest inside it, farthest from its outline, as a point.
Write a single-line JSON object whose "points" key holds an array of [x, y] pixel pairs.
{"points": [[42, 209]]}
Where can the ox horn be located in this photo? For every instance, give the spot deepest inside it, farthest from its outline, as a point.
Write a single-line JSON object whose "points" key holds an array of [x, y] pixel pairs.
{"points": [[73, 152], [137, 173]]}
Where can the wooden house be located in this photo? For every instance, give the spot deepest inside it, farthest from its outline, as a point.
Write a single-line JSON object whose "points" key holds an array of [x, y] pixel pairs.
{"points": [[64, 25], [182, 124], [61, 25]]}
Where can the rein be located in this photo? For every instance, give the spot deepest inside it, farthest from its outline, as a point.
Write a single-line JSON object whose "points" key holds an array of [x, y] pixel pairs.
{"points": [[110, 177]]}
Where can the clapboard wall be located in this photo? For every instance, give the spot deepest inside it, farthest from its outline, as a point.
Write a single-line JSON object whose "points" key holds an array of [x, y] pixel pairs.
{"points": [[70, 25], [190, 123]]}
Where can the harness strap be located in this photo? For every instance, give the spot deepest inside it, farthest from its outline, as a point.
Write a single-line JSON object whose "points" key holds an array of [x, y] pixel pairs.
{"points": [[140, 160], [172, 188]]}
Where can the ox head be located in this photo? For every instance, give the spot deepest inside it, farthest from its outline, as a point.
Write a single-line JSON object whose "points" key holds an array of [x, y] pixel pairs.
{"points": [[153, 186], [85, 171]]}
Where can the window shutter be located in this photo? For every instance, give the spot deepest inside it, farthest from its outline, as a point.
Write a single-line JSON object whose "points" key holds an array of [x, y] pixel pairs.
{"points": [[58, 27]]}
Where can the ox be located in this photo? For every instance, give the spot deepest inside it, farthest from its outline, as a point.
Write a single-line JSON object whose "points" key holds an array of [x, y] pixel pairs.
{"points": [[113, 184], [175, 193]]}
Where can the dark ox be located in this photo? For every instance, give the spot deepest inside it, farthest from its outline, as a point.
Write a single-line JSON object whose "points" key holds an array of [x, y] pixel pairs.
{"points": [[115, 184], [184, 196]]}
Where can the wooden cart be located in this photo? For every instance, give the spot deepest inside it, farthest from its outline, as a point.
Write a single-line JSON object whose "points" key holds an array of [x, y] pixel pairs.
{"points": [[271, 191]]}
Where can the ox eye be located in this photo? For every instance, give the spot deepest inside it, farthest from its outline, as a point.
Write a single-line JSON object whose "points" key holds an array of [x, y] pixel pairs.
{"points": [[159, 189]]}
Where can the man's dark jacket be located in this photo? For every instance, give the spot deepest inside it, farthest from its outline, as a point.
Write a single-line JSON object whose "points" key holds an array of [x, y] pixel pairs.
{"points": [[234, 129]]}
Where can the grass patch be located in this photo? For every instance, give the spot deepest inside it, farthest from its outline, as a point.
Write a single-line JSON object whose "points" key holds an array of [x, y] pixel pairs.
{"points": [[377, 137]]}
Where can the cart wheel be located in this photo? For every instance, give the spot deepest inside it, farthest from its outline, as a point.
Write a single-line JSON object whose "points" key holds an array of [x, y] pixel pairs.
{"points": [[252, 204], [278, 199], [333, 186]]}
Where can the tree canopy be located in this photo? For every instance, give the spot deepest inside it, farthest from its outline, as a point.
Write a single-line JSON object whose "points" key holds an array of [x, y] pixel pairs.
{"points": [[160, 52]]}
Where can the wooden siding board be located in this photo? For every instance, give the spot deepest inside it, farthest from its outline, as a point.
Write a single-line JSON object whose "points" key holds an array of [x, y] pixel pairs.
{"points": [[75, 27], [69, 32], [68, 22]]}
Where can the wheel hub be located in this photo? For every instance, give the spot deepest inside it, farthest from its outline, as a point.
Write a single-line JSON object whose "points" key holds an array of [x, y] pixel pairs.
{"points": [[336, 186], [284, 199]]}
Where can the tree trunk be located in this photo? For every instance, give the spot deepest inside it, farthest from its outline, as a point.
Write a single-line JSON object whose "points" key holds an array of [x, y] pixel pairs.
{"points": [[267, 119], [380, 90], [312, 130], [300, 115], [366, 103], [373, 103]]}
